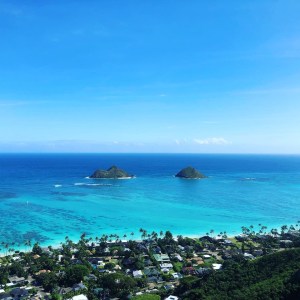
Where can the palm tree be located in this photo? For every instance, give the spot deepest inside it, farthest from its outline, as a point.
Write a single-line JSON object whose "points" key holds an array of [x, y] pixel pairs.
{"points": [[144, 234], [117, 238], [6, 248], [252, 230], [154, 235], [283, 228], [27, 244], [264, 228]]}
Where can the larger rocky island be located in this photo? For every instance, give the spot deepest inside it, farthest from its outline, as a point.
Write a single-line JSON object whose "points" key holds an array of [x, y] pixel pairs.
{"points": [[190, 173], [112, 173]]}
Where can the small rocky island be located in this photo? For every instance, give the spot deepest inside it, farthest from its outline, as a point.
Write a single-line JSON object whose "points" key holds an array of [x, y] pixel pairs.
{"points": [[190, 173], [112, 173]]}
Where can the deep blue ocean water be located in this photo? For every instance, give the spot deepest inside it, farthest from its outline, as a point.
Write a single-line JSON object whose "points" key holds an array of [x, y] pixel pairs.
{"points": [[45, 197]]}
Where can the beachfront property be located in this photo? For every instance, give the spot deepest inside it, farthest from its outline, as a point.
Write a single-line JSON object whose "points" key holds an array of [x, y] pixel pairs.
{"points": [[138, 261]]}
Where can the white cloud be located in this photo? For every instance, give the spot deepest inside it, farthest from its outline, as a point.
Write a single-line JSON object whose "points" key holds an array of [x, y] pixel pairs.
{"points": [[206, 141], [212, 141]]}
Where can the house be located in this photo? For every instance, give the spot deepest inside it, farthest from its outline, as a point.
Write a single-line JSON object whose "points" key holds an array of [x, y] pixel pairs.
{"points": [[161, 258], [79, 297], [19, 293], [42, 272], [78, 286], [137, 274], [188, 270], [248, 255], [206, 238], [226, 255], [203, 271], [142, 248], [98, 292], [285, 243], [241, 237], [148, 262], [128, 261], [96, 262], [169, 287], [91, 277], [177, 257], [46, 250], [63, 291], [227, 242], [156, 249], [293, 233], [180, 247], [167, 266], [170, 249], [6, 297], [172, 298], [258, 252], [17, 280], [177, 276], [151, 272], [216, 266]]}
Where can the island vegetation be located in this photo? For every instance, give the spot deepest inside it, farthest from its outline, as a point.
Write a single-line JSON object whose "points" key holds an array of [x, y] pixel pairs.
{"points": [[190, 173], [111, 173], [256, 264]]}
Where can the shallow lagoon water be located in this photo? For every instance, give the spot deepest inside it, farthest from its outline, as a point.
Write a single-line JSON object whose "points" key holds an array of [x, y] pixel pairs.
{"points": [[45, 197]]}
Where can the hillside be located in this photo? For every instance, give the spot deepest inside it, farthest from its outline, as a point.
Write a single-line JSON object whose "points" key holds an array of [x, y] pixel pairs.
{"points": [[274, 276]]}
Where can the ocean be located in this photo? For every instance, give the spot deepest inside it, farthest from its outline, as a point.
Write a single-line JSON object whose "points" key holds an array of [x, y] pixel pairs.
{"points": [[46, 197]]}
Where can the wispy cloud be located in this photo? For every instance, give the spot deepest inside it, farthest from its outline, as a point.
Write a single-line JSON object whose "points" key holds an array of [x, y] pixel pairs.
{"points": [[212, 141], [205, 141]]}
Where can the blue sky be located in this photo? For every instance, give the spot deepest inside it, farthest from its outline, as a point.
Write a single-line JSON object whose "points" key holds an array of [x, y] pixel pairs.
{"points": [[150, 76]]}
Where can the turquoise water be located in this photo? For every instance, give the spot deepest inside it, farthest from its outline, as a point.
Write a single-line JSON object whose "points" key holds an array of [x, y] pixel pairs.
{"points": [[45, 197]]}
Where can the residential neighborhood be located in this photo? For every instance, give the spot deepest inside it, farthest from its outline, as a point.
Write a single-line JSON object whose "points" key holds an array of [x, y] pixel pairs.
{"points": [[113, 268]]}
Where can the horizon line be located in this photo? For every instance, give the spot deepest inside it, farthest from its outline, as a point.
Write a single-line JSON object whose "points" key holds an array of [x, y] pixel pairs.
{"points": [[156, 153]]}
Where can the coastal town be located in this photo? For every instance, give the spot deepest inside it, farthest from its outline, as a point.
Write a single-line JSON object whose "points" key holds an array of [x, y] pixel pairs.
{"points": [[151, 266]]}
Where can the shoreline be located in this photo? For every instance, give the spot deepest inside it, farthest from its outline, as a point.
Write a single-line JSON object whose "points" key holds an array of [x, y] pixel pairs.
{"points": [[212, 234]]}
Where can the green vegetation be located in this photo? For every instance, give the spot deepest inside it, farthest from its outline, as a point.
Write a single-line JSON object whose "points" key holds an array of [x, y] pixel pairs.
{"points": [[274, 276], [190, 173], [112, 172], [254, 265], [75, 274]]}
